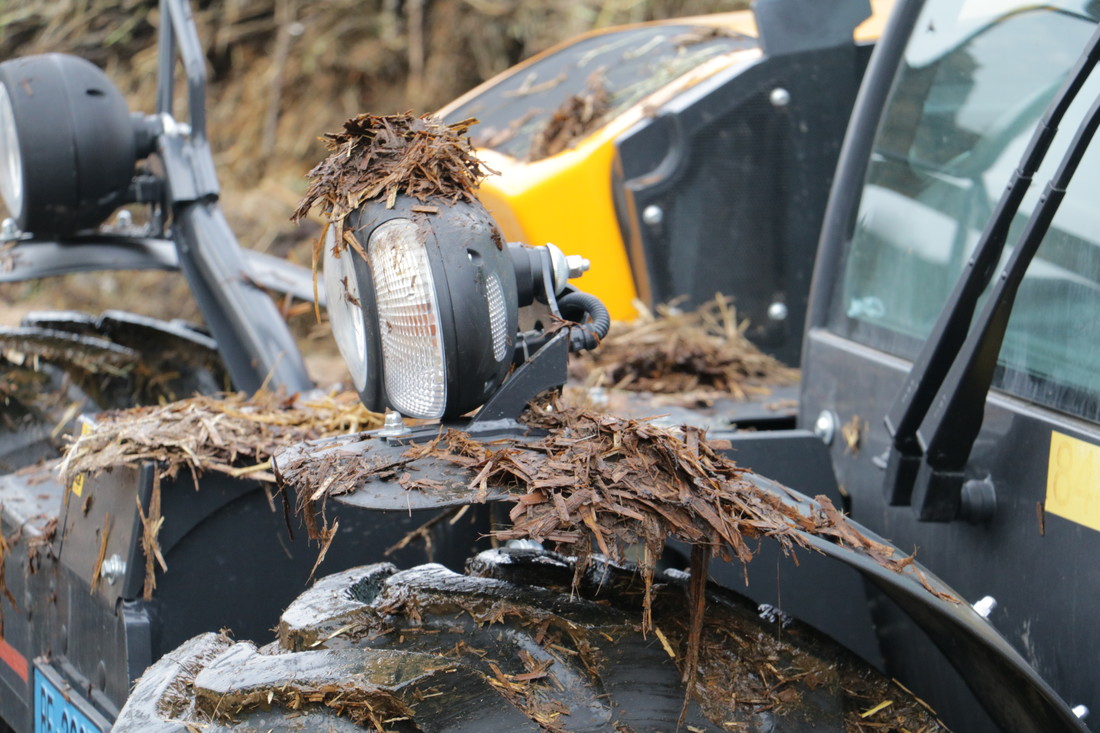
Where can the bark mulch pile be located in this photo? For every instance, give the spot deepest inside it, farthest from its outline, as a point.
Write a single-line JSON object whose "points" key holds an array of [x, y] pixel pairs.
{"points": [[383, 156], [695, 356], [230, 434], [578, 115], [379, 157]]}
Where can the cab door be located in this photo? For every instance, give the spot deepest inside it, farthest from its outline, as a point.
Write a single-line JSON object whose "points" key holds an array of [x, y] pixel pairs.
{"points": [[948, 107]]}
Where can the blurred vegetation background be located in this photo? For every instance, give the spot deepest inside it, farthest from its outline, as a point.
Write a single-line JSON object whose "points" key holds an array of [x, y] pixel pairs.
{"points": [[281, 72]]}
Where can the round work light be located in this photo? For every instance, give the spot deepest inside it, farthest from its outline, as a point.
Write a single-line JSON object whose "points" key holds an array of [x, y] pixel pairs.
{"points": [[427, 319], [67, 145]]}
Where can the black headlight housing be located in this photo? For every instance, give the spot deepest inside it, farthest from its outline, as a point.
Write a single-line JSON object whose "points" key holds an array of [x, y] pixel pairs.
{"points": [[75, 144], [427, 321]]}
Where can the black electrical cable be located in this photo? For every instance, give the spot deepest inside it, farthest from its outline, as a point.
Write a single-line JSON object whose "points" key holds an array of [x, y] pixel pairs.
{"points": [[576, 306]]}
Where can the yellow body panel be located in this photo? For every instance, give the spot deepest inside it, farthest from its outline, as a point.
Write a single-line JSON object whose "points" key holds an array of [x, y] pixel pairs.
{"points": [[567, 198]]}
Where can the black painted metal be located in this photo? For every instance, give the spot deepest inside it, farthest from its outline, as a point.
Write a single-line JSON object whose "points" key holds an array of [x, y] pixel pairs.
{"points": [[253, 338], [855, 153], [231, 564], [794, 26], [75, 140], [740, 167], [544, 370], [1033, 563], [32, 259]]}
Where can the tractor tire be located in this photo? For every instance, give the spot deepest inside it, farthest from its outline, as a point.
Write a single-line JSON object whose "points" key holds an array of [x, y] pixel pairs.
{"points": [[512, 646]]}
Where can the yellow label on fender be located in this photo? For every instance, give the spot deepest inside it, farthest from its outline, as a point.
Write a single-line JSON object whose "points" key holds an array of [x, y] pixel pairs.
{"points": [[77, 486], [1073, 480]]}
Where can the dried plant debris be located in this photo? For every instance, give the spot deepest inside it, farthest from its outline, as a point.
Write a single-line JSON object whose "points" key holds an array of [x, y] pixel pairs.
{"points": [[579, 114], [691, 357], [600, 484], [65, 364], [604, 486], [231, 434], [379, 157]]}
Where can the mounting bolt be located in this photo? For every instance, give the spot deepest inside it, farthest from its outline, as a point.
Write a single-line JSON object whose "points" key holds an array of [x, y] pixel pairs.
{"points": [[577, 265], [392, 425], [825, 426], [113, 569], [779, 97], [9, 232], [653, 215], [985, 605], [979, 501], [777, 311], [1081, 711]]}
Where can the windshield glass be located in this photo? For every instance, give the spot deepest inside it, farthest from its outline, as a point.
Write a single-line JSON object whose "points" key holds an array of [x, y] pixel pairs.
{"points": [[974, 81]]}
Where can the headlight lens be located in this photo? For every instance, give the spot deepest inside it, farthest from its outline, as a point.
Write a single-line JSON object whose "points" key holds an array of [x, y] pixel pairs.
{"points": [[435, 325], [345, 311], [408, 320], [11, 162]]}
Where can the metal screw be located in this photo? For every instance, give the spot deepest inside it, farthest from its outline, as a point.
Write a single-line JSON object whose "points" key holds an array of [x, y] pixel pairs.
{"points": [[174, 128], [392, 424], [9, 232], [777, 311], [113, 569], [1081, 711], [779, 97], [825, 426], [653, 215], [984, 606]]}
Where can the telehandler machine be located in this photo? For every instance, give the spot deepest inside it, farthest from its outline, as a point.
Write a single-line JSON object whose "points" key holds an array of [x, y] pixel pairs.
{"points": [[948, 405]]}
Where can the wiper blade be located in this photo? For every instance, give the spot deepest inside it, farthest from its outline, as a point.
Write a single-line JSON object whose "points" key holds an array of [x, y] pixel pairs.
{"points": [[948, 432], [931, 366]]}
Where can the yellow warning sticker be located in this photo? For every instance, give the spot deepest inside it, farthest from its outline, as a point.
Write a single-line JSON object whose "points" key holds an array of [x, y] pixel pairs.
{"points": [[77, 486], [1073, 480]]}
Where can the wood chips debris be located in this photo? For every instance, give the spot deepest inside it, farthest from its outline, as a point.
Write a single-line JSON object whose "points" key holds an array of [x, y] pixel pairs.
{"points": [[379, 157], [231, 434], [696, 357], [597, 484], [579, 114]]}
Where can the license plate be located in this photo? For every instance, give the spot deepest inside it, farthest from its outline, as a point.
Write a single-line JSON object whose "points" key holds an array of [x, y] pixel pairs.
{"points": [[57, 712]]}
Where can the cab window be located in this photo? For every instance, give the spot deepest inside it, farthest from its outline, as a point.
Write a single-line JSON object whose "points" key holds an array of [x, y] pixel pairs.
{"points": [[974, 81]]}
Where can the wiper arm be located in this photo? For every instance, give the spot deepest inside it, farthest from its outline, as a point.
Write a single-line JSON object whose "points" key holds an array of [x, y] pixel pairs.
{"points": [[948, 432], [931, 366]]}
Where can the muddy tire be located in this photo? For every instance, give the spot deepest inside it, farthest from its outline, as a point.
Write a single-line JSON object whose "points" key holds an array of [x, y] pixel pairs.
{"points": [[507, 647]]}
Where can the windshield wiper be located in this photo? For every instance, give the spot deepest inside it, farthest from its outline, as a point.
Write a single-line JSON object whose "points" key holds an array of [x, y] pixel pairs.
{"points": [[948, 432], [911, 433]]}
